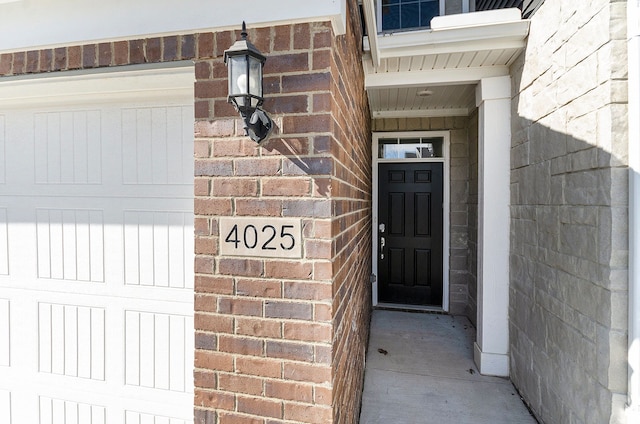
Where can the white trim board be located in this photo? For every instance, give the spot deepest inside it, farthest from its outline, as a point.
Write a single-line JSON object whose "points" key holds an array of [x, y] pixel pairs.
{"points": [[446, 207]]}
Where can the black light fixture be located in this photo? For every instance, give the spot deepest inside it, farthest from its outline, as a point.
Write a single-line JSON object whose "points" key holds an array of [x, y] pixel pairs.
{"points": [[244, 64]]}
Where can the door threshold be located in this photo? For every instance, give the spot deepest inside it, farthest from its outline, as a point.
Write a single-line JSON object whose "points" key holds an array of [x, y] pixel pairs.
{"points": [[410, 308]]}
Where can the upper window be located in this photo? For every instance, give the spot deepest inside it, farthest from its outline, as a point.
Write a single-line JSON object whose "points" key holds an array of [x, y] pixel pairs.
{"points": [[407, 14]]}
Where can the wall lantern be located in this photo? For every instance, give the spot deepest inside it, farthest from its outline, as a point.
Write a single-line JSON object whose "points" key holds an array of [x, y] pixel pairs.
{"points": [[244, 63]]}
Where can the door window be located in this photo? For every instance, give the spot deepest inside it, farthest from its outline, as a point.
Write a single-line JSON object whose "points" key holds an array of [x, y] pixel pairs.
{"points": [[410, 148], [407, 14]]}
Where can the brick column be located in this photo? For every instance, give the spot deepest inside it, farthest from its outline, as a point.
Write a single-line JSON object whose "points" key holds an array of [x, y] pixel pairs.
{"points": [[268, 336]]}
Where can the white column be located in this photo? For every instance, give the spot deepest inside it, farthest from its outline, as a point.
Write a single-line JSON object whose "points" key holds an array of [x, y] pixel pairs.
{"points": [[491, 350], [633, 30]]}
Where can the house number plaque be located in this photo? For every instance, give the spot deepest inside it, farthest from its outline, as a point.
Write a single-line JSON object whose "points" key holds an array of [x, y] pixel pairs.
{"points": [[261, 237]]}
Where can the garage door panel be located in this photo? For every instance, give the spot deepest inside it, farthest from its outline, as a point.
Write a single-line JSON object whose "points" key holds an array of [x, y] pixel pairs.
{"points": [[153, 145], [96, 252]]}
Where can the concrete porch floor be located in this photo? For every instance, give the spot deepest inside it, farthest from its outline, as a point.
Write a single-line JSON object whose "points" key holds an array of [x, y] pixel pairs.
{"points": [[420, 369]]}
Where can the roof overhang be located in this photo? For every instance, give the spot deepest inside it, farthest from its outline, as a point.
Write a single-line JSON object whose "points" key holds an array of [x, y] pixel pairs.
{"points": [[449, 59]]}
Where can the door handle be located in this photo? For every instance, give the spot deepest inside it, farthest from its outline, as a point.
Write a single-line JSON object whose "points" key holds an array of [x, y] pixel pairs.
{"points": [[382, 243]]}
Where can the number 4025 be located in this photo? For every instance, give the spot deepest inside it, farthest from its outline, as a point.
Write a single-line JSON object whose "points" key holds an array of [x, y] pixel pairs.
{"points": [[262, 237], [267, 238]]}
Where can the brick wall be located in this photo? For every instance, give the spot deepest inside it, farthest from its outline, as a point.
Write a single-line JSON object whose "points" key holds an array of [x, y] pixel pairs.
{"points": [[284, 340], [460, 259], [568, 279]]}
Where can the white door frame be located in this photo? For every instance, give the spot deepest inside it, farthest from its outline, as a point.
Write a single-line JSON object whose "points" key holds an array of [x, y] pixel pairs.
{"points": [[445, 207]]}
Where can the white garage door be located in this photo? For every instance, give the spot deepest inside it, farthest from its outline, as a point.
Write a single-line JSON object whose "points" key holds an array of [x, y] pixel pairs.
{"points": [[96, 248]]}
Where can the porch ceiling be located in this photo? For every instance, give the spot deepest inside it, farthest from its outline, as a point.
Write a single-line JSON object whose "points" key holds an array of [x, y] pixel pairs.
{"points": [[447, 60]]}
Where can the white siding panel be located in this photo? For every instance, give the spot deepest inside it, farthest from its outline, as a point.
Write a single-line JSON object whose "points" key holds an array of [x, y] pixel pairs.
{"points": [[157, 248], [3, 137], [5, 407], [58, 411], [70, 244], [4, 243], [156, 350], [68, 147], [5, 333], [63, 337], [132, 417]]}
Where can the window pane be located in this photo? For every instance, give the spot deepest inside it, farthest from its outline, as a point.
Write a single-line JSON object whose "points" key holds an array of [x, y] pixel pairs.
{"points": [[410, 15], [390, 17], [428, 10], [388, 2]]}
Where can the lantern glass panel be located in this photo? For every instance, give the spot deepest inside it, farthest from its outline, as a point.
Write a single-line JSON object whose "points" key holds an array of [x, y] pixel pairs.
{"points": [[255, 79], [238, 83]]}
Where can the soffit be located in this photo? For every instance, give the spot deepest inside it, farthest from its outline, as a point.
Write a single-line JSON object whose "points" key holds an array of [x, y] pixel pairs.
{"points": [[448, 60]]}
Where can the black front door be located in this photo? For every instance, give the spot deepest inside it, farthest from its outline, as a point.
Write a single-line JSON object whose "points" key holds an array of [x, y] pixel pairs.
{"points": [[410, 233]]}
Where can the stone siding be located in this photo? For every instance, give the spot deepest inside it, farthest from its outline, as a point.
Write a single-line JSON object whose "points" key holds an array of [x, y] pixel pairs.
{"points": [[568, 261], [460, 173]]}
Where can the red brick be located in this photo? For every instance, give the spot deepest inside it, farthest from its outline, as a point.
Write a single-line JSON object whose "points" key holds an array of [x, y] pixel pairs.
{"points": [[211, 89], [246, 307], [321, 60], [203, 70], [293, 62], [206, 341], [287, 310], [305, 83], [214, 323], [288, 350], [104, 54], [307, 208], [202, 109], [258, 288], [301, 36], [258, 207], [206, 246], [201, 148], [121, 52], [322, 313], [307, 331], [322, 103], [282, 39], [240, 345], [205, 45], [212, 206], [169, 48], [241, 267], [288, 269], [206, 303], [33, 61], [201, 187], [205, 379], [292, 187], [258, 327], [187, 46], [214, 399], [88, 56], [318, 249], [308, 166], [260, 407], [202, 416], [231, 418], [213, 168], [224, 40], [240, 384], [216, 361], [302, 124], [46, 60], [312, 414], [322, 395], [213, 284], [290, 146], [263, 367], [234, 187], [258, 167], [19, 61], [153, 50], [136, 51], [287, 104], [6, 61], [201, 227], [288, 390], [322, 355], [204, 264], [322, 187], [234, 148], [297, 371], [322, 39], [261, 38], [322, 270], [215, 128], [321, 144]]}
